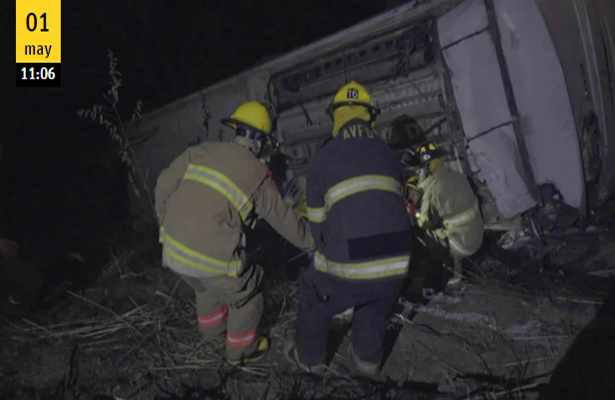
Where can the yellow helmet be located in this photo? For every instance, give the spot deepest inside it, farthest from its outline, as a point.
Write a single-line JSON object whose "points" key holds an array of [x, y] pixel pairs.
{"points": [[252, 121], [413, 183], [252, 114], [353, 94], [431, 154]]}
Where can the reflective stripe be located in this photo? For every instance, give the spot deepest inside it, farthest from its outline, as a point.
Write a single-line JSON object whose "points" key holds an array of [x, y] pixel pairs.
{"points": [[161, 235], [241, 340], [316, 214], [222, 184], [461, 218], [366, 270], [360, 184], [353, 186], [457, 247], [363, 365], [200, 261], [213, 319]]}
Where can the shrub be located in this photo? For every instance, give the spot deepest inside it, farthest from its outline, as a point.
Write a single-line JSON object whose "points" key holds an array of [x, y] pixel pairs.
{"points": [[109, 117]]}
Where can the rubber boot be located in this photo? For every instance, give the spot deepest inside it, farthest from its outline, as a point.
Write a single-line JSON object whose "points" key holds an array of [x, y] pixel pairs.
{"points": [[457, 276], [261, 351], [369, 369], [290, 352]]}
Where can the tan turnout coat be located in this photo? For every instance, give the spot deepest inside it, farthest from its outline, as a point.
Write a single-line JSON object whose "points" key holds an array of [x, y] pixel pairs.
{"points": [[204, 201]]}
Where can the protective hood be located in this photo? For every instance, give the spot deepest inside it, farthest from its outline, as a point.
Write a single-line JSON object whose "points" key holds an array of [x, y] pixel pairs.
{"points": [[344, 114]]}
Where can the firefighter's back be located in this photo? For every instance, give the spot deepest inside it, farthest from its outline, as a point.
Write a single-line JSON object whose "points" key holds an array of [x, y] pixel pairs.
{"points": [[208, 209], [366, 218]]}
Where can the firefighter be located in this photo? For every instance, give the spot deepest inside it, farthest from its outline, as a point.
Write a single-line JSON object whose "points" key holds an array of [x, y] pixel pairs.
{"points": [[450, 218], [357, 217], [205, 200]]}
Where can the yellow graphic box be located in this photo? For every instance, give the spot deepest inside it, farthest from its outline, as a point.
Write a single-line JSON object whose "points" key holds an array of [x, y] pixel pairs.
{"points": [[38, 31]]}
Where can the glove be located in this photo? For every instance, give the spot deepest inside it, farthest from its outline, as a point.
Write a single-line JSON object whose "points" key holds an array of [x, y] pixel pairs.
{"points": [[441, 233]]}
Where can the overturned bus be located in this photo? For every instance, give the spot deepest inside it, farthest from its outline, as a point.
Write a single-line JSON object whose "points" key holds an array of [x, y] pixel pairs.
{"points": [[520, 92]]}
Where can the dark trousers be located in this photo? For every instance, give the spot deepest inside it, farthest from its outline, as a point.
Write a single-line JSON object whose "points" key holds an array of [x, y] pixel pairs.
{"points": [[372, 302]]}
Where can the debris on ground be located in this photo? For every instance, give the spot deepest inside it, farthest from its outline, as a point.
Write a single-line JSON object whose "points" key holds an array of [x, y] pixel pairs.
{"points": [[132, 335]]}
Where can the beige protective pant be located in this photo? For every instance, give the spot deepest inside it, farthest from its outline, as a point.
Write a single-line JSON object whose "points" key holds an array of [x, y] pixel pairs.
{"points": [[231, 306]]}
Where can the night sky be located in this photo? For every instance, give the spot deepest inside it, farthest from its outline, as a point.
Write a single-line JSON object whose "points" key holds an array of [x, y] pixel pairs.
{"points": [[55, 191]]}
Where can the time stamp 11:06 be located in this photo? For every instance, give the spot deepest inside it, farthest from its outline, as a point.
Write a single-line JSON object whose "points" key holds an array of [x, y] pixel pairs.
{"points": [[38, 43]]}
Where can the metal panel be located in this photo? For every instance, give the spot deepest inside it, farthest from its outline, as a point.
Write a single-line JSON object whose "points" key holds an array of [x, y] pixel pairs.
{"points": [[607, 13], [542, 99], [416, 95], [481, 100], [500, 167], [477, 84], [597, 30], [462, 21], [370, 59]]}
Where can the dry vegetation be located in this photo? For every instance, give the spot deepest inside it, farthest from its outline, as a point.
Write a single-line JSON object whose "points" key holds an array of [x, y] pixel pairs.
{"points": [[143, 323], [132, 335]]}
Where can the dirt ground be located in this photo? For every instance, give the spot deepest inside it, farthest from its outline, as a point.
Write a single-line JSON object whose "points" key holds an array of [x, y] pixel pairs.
{"points": [[132, 336]]}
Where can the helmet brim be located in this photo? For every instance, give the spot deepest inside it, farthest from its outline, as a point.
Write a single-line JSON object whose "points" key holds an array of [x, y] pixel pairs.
{"points": [[373, 110], [433, 155]]}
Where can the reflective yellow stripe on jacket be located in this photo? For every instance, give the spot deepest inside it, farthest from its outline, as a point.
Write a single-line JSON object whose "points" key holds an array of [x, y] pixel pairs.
{"points": [[461, 218], [457, 247], [384, 268], [193, 259], [223, 185], [348, 188], [456, 221]]}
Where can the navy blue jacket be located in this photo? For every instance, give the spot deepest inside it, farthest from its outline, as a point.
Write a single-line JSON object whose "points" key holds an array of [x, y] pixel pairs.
{"points": [[355, 207]]}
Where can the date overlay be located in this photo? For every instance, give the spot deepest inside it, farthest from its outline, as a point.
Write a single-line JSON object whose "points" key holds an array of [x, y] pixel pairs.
{"points": [[38, 44]]}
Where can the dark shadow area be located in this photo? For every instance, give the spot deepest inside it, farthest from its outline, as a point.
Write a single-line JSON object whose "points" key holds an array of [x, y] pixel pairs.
{"points": [[281, 263], [405, 132], [543, 273], [587, 369], [423, 262], [423, 387], [280, 260], [335, 339], [64, 218], [278, 165]]}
